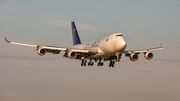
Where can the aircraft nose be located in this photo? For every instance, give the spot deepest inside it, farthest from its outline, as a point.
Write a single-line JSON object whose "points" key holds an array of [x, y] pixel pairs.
{"points": [[122, 44]]}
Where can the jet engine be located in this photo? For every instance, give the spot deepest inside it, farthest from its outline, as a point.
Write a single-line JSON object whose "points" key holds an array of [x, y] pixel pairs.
{"points": [[72, 55], [148, 55], [41, 51], [133, 57]]}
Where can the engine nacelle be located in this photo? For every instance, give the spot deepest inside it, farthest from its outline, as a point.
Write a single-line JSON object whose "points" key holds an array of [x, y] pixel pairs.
{"points": [[148, 55], [41, 51], [133, 57], [72, 55]]}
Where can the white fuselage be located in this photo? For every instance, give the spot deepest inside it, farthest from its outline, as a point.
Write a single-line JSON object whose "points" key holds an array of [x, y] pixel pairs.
{"points": [[107, 46]]}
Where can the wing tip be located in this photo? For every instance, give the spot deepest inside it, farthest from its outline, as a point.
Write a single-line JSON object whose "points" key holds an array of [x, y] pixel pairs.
{"points": [[7, 40], [162, 45]]}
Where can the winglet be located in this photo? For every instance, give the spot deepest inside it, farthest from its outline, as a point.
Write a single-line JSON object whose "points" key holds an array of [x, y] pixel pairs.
{"points": [[162, 45], [7, 40]]}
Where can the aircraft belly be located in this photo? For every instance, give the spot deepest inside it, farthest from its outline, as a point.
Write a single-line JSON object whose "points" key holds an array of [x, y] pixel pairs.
{"points": [[108, 50], [105, 52]]}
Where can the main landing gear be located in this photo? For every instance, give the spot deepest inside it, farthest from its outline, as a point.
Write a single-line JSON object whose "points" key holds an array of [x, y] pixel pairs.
{"points": [[111, 64], [90, 63], [83, 62], [100, 63]]}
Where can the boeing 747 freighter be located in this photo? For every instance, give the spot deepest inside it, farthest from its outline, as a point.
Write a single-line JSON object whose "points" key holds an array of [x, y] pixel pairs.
{"points": [[108, 49]]}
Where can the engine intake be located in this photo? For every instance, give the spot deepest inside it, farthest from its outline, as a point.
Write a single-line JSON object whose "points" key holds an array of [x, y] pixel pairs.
{"points": [[41, 51], [133, 57], [72, 55], [148, 55]]}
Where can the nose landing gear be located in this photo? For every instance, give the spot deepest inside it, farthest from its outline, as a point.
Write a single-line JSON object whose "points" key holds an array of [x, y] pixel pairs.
{"points": [[118, 57], [111, 64]]}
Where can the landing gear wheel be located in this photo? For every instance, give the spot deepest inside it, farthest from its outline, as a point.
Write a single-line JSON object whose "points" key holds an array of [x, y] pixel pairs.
{"points": [[89, 63], [100, 64], [111, 63], [92, 63], [83, 62]]}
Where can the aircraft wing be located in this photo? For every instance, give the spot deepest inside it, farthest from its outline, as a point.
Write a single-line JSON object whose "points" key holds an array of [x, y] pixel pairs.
{"points": [[55, 49], [143, 50]]}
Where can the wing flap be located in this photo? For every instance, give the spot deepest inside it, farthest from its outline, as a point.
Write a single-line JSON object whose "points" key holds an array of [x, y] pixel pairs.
{"points": [[91, 51], [54, 48], [53, 51]]}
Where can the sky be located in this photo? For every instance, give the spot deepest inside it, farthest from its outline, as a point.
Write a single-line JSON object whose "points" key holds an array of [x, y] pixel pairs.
{"points": [[26, 76]]}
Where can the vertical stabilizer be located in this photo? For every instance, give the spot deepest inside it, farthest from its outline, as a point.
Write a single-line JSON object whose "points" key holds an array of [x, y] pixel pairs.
{"points": [[76, 39]]}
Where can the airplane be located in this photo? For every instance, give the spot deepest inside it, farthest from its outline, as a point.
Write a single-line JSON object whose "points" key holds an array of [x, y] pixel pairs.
{"points": [[110, 49]]}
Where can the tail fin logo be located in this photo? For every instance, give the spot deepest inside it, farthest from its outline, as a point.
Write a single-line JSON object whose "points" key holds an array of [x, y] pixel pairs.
{"points": [[74, 30]]}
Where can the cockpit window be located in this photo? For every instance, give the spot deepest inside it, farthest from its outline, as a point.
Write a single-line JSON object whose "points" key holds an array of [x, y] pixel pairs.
{"points": [[118, 35]]}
